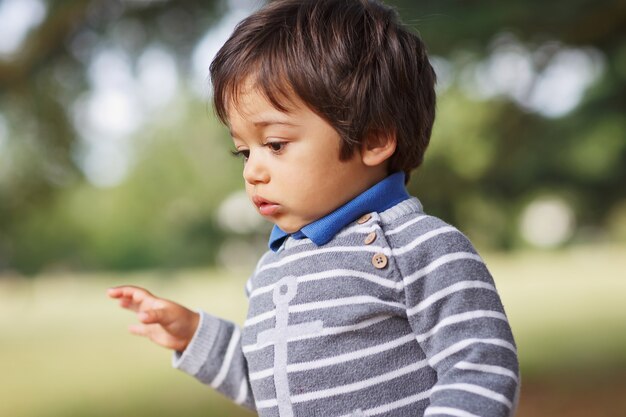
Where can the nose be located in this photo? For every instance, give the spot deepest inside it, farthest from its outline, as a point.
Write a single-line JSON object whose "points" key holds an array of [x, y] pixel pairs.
{"points": [[255, 170]]}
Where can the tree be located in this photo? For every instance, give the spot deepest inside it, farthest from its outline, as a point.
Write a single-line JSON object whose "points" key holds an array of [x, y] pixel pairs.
{"points": [[484, 180]]}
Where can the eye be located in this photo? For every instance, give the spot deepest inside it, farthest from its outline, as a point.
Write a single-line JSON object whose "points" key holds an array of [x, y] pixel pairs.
{"points": [[244, 154], [276, 147]]}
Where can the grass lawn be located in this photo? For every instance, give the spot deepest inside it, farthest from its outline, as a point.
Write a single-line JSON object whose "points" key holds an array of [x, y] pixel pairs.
{"points": [[65, 351]]}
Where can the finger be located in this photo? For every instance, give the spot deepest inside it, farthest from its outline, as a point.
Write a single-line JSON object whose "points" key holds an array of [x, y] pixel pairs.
{"points": [[157, 335], [127, 291], [131, 297], [129, 303], [138, 330], [125, 303], [115, 292]]}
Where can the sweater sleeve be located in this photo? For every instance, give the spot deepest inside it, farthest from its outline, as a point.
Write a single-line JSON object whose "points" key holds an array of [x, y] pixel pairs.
{"points": [[214, 357], [458, 319]]}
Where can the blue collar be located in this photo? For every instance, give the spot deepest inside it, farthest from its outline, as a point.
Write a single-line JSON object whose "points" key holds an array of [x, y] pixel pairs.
{"points": [[380, 197]]}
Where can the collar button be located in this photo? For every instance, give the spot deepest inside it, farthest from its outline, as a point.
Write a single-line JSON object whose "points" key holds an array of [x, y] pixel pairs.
{"points": [[370, 238], [364, 218]]}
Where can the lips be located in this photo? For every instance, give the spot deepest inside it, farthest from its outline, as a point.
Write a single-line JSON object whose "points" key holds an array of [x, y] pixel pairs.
{"points": [[265, 207]]}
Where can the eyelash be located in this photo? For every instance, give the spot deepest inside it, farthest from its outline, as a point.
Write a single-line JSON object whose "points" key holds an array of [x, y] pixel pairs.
{"points": [[241, 154], [281, 146], [245, 154]]}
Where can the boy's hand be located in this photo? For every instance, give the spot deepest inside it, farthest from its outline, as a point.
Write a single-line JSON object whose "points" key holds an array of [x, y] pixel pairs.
{"points": [[164, 322]]}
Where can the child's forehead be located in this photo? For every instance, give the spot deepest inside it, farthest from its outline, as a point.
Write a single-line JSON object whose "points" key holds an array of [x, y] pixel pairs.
{"points": [[251, 100]]}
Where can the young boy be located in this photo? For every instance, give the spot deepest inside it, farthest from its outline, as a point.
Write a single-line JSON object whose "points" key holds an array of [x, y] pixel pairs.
{"points": [[364, 305]]}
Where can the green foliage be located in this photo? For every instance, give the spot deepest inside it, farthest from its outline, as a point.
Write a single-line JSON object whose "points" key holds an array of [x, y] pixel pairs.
{"points": [[489, 158], [163, 214]]}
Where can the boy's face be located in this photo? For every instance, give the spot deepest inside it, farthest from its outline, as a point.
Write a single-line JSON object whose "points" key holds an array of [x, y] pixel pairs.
{"points": [[292, 170]]}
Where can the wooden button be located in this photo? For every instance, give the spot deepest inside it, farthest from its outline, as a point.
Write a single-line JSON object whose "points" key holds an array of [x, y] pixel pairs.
{"points": [[370, 238], [379, 261], [364, 218]]}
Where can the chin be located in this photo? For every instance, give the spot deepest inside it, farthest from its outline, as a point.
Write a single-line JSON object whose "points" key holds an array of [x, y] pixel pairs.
{"points": [[289, 227]]}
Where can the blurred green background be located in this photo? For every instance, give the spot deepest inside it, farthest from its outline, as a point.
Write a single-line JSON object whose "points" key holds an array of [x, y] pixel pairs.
{"points": [[114, 170]]}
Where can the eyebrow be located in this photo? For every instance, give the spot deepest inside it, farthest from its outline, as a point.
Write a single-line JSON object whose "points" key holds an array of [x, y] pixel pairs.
{"points": [[265, 123]]}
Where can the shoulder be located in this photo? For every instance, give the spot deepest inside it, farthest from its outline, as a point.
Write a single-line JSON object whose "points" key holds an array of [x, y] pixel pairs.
{"points": [[418, 239], [407, 223]]}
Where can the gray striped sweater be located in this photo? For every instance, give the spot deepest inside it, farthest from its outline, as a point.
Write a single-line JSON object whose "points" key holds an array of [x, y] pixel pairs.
{"points": [[396, 316]]}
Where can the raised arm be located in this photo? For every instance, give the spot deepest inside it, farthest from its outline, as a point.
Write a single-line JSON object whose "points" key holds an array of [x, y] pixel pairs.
{"points": [[205, 346], [166, 323]]}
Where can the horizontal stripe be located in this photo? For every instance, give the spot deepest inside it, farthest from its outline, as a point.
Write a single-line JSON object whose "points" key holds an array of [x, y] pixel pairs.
{"points": [[350, 356], [321, 305], [350, 273], [332, 331], [341, 302], [293, 243], [475, 389], [459, 286], [423, 238], [360, 385], [492, 369], [376, 349], [336, 360], [368, 228], [263, 290], [433, 298], [459, 318], [268, 336], [327, 331], [260, 318], [344, 389], [448, 411], [459, 346], [269, 403], [354, 229], [364, 248], [306, 254], [405, 225], [256, 376], [365, 229], [359, 229], [334, 274], [445, 259], [386, 408]]}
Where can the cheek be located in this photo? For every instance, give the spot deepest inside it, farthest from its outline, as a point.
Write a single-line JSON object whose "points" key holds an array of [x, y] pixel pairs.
{"points": [[249, 189], [307, 174], [318, 163]]}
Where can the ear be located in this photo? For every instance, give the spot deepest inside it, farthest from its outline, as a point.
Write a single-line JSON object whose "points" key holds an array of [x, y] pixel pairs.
{"points": [[378, 148]]}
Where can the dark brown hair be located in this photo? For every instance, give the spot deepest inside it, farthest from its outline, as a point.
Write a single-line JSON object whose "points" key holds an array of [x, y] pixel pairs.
{"points": [[351, 61]]}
